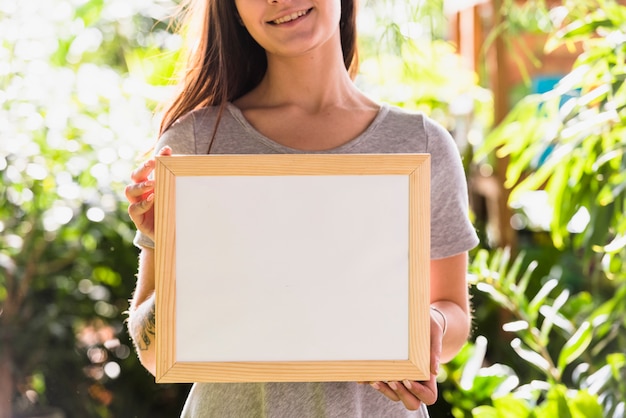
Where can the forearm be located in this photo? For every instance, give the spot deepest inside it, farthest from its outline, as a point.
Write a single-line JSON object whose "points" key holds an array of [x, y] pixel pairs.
{"points": [[457, 328], [141, 327], [141, 318], [450, 296]]}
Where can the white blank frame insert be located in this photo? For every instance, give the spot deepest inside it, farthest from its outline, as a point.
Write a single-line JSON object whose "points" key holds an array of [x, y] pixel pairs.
{"points": [[286, 268]]}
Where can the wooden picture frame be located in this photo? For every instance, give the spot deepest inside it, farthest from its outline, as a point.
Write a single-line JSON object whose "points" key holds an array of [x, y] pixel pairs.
{"points": [[292, 268]]}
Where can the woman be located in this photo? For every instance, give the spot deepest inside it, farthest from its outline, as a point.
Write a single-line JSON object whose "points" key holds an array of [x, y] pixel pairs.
{"points": [[275, 76]]}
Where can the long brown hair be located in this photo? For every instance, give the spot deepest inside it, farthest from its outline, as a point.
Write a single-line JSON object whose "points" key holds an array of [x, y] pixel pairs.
{"points": [[223, 62]]}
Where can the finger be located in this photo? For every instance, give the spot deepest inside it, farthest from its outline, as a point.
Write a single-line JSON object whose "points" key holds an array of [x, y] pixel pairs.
{"points": [[136, 191], [141, 173], [425, 391], [165, 151], [410, 400], [141, 207], [383, 388]]}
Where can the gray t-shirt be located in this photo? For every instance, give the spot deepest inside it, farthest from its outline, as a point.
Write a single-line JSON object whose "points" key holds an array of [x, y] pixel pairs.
{"points": [[393, 131]]}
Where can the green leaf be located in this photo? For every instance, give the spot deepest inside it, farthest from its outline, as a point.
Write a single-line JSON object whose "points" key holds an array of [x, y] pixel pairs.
{"points": [[542, 295], [596, 233], [555, 405], [559, 302], [576, 345], [558, 194], [510, 127], [485, 411], [509, 273], [617, 362], [512, 407], [531, 356], [585, 405], [106, 276], [522, 285], [580, 28], [495, 294]]}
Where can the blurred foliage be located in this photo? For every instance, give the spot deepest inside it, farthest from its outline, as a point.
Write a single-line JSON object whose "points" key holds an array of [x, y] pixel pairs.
{"points": [[518, 19], [570, 141], [451, 95], [79, 81], [406, 61], [562, 302], [570, 360], [75, 114]]}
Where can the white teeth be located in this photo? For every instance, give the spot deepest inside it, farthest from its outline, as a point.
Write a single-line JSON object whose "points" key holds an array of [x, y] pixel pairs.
{"points": [[290, 17]]}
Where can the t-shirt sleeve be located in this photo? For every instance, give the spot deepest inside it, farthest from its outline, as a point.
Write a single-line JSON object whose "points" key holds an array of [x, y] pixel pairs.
{"points": [[180, 137], [451, 230]]}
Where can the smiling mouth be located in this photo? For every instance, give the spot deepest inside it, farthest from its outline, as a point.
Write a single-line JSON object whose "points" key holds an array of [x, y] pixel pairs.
{"points": [[289, 18]]}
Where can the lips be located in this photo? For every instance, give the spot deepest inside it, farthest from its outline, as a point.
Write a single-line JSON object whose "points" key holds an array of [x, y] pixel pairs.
{"points": [[290, 17]]}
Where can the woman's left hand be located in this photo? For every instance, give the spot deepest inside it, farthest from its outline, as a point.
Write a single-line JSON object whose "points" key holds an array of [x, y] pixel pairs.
{"points": [[412, 394]]}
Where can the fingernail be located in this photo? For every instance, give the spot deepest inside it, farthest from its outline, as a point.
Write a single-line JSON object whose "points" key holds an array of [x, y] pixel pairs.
{"points": [[150, 198], [148, 183], [375, 385], [407, 384], [393, 385]]}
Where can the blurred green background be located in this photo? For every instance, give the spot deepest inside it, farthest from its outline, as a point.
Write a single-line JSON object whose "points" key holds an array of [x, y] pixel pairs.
{"points": [[80, 84]]}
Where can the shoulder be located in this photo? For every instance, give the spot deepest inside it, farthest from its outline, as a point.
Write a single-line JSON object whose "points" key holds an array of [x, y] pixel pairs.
{"points": [[196, 120], [431, 138], [186, 134], [406, 130], [417, 120], [413, 121], [402, 117]]}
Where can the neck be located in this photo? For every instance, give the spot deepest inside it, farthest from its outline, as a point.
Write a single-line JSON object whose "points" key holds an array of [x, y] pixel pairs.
{"points": [[313, 81]]}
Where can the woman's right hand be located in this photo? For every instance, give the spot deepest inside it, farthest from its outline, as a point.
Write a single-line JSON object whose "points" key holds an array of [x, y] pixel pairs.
{"points": [[140, 195]]}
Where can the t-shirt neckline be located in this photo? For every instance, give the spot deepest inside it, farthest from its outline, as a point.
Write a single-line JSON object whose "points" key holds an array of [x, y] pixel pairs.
{"points": [[238, 115]]}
